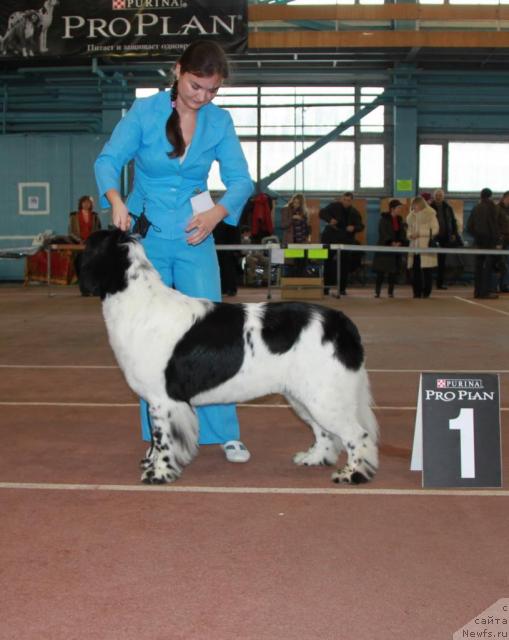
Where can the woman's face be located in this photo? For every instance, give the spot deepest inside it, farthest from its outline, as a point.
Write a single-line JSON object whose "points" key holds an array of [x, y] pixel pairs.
{"points": [[195, 92], [396, 211], [86, 204]]}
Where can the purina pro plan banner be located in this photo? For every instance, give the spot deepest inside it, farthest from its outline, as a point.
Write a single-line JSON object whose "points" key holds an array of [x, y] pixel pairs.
{"points": [[34, 29]]}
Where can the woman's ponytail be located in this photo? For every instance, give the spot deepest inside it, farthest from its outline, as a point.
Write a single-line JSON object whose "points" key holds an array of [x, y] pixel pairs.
{"points": [[173, 129]]}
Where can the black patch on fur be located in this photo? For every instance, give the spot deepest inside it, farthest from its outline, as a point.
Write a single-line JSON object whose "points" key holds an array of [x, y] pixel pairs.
{"points": [[105, 262], [211, 352], [343, 334], [249, 340], [283, 323], [358, 478]]}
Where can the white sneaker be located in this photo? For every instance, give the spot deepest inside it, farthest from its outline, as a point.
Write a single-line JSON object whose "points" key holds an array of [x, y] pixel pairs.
{"points": [[236, 451]]}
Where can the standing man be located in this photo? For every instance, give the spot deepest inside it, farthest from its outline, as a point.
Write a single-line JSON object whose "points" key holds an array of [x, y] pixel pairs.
{"points": [[486, 226], [503, 207], [343, 222], [448, 235]]}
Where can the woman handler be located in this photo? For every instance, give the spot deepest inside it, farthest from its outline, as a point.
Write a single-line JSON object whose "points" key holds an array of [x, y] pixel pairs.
{"points": [[174, 138]]}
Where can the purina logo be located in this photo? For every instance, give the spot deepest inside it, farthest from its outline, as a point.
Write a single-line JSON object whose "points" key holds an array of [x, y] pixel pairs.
{"points": [[121, 5], [459, 383]]}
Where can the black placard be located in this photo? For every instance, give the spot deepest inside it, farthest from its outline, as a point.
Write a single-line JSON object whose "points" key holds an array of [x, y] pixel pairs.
{"points": [[460, 430]]}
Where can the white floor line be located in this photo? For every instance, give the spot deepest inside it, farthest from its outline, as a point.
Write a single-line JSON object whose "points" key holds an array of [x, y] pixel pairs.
{"points": [[473, 370], [90, 405], [114, 366], [484, 306], [58, 366], [255, 490], [116, 405]]}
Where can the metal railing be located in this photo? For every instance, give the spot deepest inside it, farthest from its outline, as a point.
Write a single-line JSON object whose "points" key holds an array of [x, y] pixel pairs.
{"points": [[270, 248]]}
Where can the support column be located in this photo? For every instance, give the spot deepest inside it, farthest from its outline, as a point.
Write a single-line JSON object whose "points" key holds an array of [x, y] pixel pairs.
{"points": [[405, 147]]}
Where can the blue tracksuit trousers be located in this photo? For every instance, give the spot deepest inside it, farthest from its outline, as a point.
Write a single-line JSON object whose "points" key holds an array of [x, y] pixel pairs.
{"points": [[193, 270]]}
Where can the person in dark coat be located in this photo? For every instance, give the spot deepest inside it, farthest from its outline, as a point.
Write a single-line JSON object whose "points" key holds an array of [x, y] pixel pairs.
{"points": [[343, 222], [486, 225], [391, 233], [229, 261], [503, 277], [448, 234]]}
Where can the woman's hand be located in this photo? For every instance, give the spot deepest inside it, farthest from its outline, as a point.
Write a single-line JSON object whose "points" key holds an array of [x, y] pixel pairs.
{"points": [[119, 213], [204, 223], [120, 216]]}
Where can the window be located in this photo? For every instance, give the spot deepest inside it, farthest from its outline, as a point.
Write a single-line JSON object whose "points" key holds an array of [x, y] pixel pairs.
{"points": [[292, 118], [373, 122], [372, 166], [331, 168], [430, 166], [249, 148], [146, 92], [475, 165], [241, 103], [298, 111]]}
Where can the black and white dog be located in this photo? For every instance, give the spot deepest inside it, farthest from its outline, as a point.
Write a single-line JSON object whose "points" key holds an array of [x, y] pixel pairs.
{"points": [[178, 352]]}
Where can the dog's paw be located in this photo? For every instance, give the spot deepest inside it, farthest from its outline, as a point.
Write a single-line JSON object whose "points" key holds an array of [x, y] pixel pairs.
{"points": [[350, 475], [312, 457], [146, 463], [150, 476]]}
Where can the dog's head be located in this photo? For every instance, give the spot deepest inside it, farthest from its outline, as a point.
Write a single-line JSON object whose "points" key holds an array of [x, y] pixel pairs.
{"points": [[105, 262]]}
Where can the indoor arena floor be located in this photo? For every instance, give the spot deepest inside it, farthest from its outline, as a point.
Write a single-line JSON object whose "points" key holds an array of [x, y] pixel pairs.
{"points": [[261, 551]]}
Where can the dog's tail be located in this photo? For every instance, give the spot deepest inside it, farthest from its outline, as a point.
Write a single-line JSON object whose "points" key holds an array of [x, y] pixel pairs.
{"points": [[366, 415]]}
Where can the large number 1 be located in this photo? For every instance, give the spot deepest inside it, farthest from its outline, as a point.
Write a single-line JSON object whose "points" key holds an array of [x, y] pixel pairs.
{"points": [[465, 424]]}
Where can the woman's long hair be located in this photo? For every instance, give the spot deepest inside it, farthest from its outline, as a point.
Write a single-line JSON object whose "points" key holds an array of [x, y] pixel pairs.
{"points": [[84, 199], [298, 201], [202, 58]]}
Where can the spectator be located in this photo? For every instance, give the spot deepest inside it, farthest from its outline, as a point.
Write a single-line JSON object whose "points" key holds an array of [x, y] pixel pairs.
{"points": [[343, 222], [296, 229], [422, 227], [82, 223], [503, 207], [448, 234], [391, 233], [295, 220], [262, 217], [486, 225]]}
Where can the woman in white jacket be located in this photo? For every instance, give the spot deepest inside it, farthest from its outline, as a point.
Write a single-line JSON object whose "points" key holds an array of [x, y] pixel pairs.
{"points": [[422, 226]]}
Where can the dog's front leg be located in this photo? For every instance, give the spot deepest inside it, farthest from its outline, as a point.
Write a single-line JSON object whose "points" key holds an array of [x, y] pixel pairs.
{"points": [[175, 437]]}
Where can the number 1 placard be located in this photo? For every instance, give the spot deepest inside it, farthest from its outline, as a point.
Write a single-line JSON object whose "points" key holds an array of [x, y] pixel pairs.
{"points": [[457, 435]]}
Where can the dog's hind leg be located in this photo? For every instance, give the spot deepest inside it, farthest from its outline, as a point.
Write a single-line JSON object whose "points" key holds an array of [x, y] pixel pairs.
{"points": [[362, 462], [361, 438], [326, 447], [175, 441], [343, 421]]}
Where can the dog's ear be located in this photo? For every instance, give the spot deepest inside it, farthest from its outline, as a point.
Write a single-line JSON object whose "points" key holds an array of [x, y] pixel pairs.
{"points": [[105, 262]]}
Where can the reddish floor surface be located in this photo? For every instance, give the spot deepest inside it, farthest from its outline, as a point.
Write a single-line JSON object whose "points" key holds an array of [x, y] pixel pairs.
{"points": [[137, 562]]}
